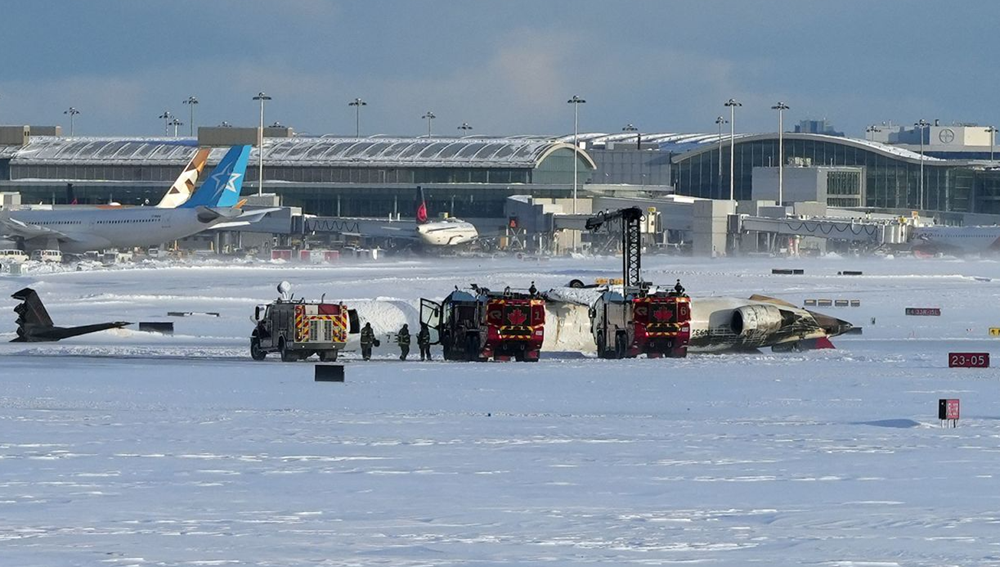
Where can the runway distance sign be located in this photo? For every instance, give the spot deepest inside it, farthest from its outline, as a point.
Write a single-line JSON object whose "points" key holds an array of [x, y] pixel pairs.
{"points": [[949, 409], [995, 331], [968, 360]]}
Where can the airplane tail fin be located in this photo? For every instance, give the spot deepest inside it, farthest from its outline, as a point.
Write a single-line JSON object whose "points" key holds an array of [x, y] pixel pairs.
{"points": [[421, 206], [223, 186], [183, 188], [30, 312]]}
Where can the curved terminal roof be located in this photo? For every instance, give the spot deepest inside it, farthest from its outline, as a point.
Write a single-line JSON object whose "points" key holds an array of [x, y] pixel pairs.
{"points": [[470, 152], [711, 142], [685, 146]]}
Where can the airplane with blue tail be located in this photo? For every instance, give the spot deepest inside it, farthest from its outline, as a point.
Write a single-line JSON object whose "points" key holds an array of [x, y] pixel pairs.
{"points": [[215, 204]]}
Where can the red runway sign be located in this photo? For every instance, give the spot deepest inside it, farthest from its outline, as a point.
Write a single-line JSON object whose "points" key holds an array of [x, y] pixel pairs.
{"points": [[968, 360], [948, 409]]}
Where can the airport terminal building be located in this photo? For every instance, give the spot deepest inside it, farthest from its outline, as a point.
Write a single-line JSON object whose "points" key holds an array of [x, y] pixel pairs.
{"points": [[473, 177], [360, 177]]}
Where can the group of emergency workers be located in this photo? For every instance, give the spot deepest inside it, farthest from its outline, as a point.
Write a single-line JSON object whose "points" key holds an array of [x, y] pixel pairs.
{"points": [[368, 341]]}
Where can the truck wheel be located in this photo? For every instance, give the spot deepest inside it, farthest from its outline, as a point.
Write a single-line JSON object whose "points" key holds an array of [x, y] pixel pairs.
{"points": [[286, 355], [255, 351], [472, 347], [601, 352], [621, 349], [328, 356]]}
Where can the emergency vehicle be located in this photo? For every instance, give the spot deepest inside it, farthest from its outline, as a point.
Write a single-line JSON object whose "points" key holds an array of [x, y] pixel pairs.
{"points": [[480, 324], [633, 320], [630, 321], [297, 329]]}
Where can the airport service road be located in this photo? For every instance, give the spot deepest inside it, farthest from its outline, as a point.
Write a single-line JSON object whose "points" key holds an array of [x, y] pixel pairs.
{"points": [[118, 450]]}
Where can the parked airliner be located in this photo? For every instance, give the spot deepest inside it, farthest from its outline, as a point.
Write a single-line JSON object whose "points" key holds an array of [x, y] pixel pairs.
{"points": [[443, 232], [214, 204], [958, 240]]}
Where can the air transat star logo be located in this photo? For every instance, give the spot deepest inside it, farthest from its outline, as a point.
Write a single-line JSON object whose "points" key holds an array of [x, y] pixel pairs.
{"points": [[517, 317], [230, 183]]}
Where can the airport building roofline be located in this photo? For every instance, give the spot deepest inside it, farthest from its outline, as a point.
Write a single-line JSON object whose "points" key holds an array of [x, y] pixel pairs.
{"points": [[465, 152], [712, 144]]}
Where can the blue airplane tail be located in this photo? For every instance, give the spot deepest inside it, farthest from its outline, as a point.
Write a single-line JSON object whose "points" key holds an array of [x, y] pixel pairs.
{"points": [[223, 186]]}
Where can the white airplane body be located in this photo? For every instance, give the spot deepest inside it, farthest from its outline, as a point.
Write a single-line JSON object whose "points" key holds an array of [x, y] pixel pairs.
{"points": [[447, 232], [956, 239], [441, 233], [76, 232]]}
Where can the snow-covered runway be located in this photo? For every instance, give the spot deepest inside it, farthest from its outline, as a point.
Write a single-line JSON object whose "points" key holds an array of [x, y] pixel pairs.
{"points": [[131, 449]]}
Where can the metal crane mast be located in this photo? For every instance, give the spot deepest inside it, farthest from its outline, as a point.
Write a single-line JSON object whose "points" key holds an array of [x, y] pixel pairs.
{"points": [[631, 240]]}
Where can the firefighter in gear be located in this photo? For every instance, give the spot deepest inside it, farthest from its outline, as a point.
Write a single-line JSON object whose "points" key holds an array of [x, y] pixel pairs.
{"points": [[367, 340], [678, 289], [424, 341], [403, 340]]}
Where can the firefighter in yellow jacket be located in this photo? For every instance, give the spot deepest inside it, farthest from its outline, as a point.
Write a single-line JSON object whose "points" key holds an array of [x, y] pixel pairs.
{"points": [[403, 340]]}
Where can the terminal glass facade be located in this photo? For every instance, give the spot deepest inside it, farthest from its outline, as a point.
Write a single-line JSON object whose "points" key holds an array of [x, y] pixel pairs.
{"points": [[891, 182]]}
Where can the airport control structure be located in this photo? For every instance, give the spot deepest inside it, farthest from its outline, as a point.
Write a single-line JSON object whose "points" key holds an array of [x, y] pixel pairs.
{"points": [[534, 193]]}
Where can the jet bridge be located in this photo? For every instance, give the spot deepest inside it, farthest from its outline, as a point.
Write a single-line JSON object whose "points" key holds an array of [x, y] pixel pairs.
{"points": [[870, 231]]}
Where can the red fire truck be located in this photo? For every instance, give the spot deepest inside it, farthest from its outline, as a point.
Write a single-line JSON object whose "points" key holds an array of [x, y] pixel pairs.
{"points": [[632, 321], [480, 324]]}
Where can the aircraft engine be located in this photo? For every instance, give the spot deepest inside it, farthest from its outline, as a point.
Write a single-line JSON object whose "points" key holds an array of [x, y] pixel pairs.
{"points": [[756, 319]]}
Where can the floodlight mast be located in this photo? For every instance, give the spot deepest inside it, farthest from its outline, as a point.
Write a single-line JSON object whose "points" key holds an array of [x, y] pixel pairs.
{"points": [[631, 240]]}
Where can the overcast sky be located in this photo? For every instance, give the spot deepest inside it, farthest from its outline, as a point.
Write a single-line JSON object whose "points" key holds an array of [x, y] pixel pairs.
{"points": [[505, 67]]}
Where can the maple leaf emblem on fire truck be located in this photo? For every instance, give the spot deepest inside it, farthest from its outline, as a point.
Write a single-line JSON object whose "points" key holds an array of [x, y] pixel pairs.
{"points": [[662, 314], [516, 317]]}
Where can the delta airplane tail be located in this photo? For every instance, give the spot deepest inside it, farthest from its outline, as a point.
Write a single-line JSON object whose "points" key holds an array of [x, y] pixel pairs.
{"points": [[421, 206], [223, 186], [183, 188]]}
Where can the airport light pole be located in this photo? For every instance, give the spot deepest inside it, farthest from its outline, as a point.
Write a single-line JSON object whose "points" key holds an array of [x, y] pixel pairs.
{"points": [[165, 117], [732, 104], [465, 127], [921, 124], [72, 112], [260, 143], [191, 101], [993, 132], [357, 103], [576, 102], [719, 121], [429, 117], [175, 123], [781, 108], [638, 135]]}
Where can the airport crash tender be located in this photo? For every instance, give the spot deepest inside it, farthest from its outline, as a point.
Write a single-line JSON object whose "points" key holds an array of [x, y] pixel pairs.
{"points": [[480, 324], [297, 329]]}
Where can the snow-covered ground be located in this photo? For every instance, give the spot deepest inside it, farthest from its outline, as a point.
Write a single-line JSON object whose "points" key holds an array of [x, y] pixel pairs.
{"points": [[125, 448]]}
